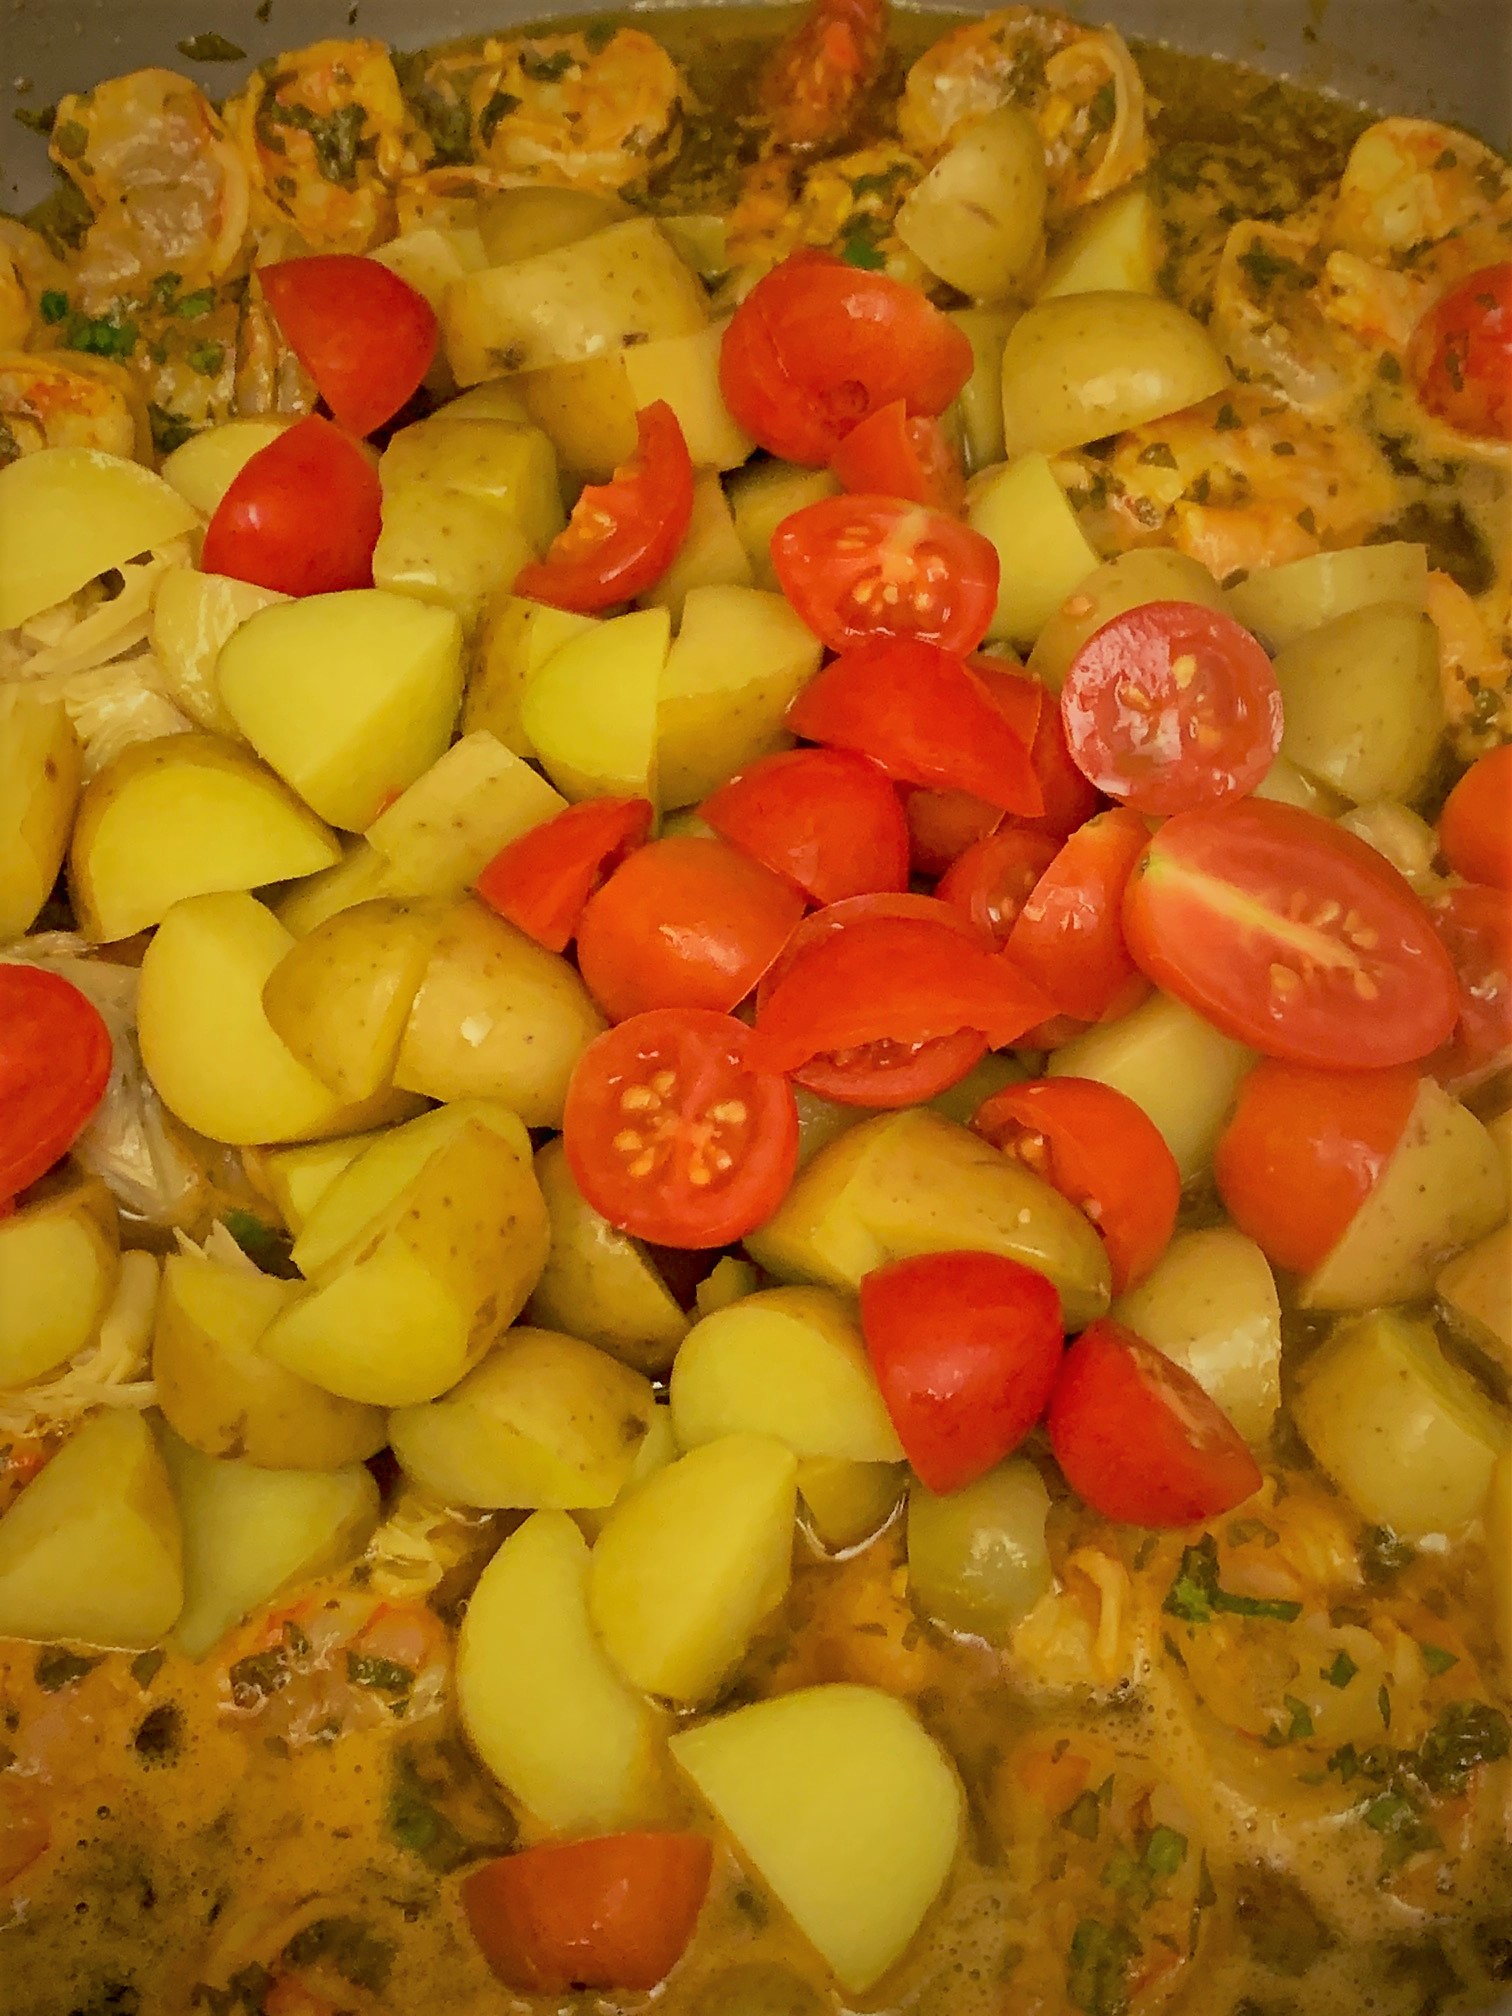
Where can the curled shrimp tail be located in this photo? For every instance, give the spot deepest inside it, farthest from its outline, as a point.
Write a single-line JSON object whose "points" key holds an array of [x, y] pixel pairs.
{"points": [[817, 78]]}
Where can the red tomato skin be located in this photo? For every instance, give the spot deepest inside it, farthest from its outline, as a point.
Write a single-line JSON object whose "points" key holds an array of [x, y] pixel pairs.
{"points": [[943, 824], [1069, 800], [302, 516], [541, 882], [1069, 935], [922, 714], [1194, 920], [615, 1912], [709, 1056], [623, 535], [1102, 1153], [1460, 356], [55, 1058], [893, 455], [1475, 826], [1138, 1439], [683, 923], [1475, 925], [991, 882], [867, 566], [365, 336], [966, 1348], [827, 821], [1303, 1151]]}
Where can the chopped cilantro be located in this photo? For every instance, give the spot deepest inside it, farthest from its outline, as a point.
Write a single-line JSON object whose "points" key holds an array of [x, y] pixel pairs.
{"points": [[207, 358], [498, 107], [1382, 1552], [257, 1676], [70, 140], [1103, 108], [1307, 519], [349, 1947], [209, 47], [1301, 1724], [1228, 419], [882, 183], [858, 250], [598, 35], [545, 69], [336, 138], [384, 1676], [146, 1666], [419, 1825], [1097, 1967], [1165, 1851], [1082, 1816], [1196, 1594], [1437, 1660], [99, 335], [53, 305], [36, 118], [192, 306], [1159, 455], [1467, 1734], [1128, 1877], [58, 1668], [1388, 368], [1265, 269], [1341, 1672]]}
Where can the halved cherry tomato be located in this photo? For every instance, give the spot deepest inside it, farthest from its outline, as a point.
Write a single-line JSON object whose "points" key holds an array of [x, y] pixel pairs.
{"points": [[1171, 706], [966, 1348], [826, 820], [1304, 1150], [861, 567], [1461, 355], [1019, 699], [924, 716], [1068, 936], [1291, 935], [365, 336], [541, 882], [817, 345], [1475, 925], [1137, 1437], [612, 1913], [302, 515], [1103, 1153], [55, 1057], [684, 923], [671, 1133], [893, 455], [1475, 826], [943, 824], [1070, 800], [623, 535], [991, 882]]}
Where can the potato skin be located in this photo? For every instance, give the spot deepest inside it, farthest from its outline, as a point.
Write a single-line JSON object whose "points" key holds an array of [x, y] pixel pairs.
{"points": [[40, 768], [59, 1262], [978, 217], [1363, 702]]}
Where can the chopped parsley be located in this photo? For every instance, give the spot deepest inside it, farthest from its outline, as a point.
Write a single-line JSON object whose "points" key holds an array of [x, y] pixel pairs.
{"points": [[542, 69], [1097, 1967], [417, 1823], [70, 140], [209, 47], [1383, 1552], [1266, 269], [498, 107], [1103, 108], [1437, 1660], [346, 1945], [207, 358], [53, 305], [1466, 1734], [192, 306], [1227, 419], [335, 137], [1159, 455], [860, 249], [99, 335], [1196, 1595], [384, 1676], [1341, 1672], [1165, 1851], [1082, 1816], [265, 1246], [36, 118]]}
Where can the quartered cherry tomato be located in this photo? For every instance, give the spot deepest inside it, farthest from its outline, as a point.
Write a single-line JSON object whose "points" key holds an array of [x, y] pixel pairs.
{"points": [[860, 567], [301, 516], [1068, 935], [671, 1133], [55, 1056], [1137, 1437], [827, 821], [1475, 826], [365, 336], [1475, 924], [893, 454], [1461, 355], [991, 882], [623, 535], [541, 882], [943, 824]]}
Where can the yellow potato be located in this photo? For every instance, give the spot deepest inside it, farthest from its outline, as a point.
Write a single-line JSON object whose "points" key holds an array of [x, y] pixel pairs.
{"points": [[545, 1423], [209, 1048], [1148, 574], [68, 514], [1281, 604], [590, 712], [494, 399], [541, 1705], [1476, 1290], [1403, 838], [658, 1448], [513, 642], [586, 410], [1406, 1434], [692, 1562], [1043, 553], [684, 371], [589, 409], [431, 259], [844, 1807], [598, 1283], [1079, 366], [59, 1258], [349, 696], [519, 223], [977, 220], [40, 767], [1363, 702], [711, 556], [439, 835], [496, 1017], [728, 1281], [1210, 1303], [762, 496], [845, 1504], [790, 1363], [361, 873], [295, 1179], [340, 997], [1285, 784], [193, 614], [1499, 1550], [978, 1560], [250, 1534], [221, 1392], [92, 1550], [1114, 247], [740, 658], [980, 400], [208, 463], [185, 815]]}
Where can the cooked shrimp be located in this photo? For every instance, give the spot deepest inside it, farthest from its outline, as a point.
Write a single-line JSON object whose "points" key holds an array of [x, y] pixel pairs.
{"points": [[1077, 1638], [1475, 663], [578, 110], [347, 1660], [1081, 86], [1410, 183], [1269, 317], [46, 403], [816, 79], [846, 205], [169, 191]]}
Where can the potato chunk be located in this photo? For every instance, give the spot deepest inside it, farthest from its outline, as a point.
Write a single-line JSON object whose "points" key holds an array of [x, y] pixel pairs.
{"points": [[590, 711], [68, 514], [740, 658], [203, 469], [1043, 553], [39, 787], [1148, 574], [1211, 1304], [439, 835], [1364, 705], [59, 1258], [977, 218]]}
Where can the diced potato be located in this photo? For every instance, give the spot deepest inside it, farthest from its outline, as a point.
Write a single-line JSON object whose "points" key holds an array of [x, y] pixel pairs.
{"points": [[790, 1363], [1407, 1435], [587, 412], [978, 1560], [1499, 1551], [340, 998], [762, 496], [995, 1073], [209, 1048], [590, 711], [1148, 574], [727, 1282], [684, 370], [184, 815], [977, 220], [440, 834], [295, 1179], [545, 1423], [1042, 551], [59, 1258], [598, 1283], [711, 556], [496, 1017], [221, 1391], [349, 696], [658, 1448], [541, 1704], [40, 769], [1281, 604], [519, 223], [844, 1807], [1363, 701], [431, 259], [91, 1550], [1443, 1188], [980, 400], [494, 399], [513, 642], [620, 286], [208, 463], [821, 1121], [1080, 366], [589, 409], [1114, 247], [845, 1504], [193, 614], [1173, 1065], [702, 237], [1476, 1290], [692, 1562], [1211, 1304], [740, 658], [1402, 837], [1285, 784], [1500, 1130], [68, 514], [359, 875], [250, 1534], [912, 1182]]}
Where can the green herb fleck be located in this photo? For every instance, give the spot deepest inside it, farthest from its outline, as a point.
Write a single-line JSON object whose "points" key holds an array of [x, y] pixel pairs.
{"points": [[1165, 1851], [1307, 519], [70, 140], [57, 1668], [347, 1945], [207, 358], [146, 1666], [859, 250], [36, 118], [598, 35], [1266, 268], [418, 1824], [1388, 368], [1097, 1967], [169, 431], [1383, 1553], [100, 335], [200, 302], [1437, 1660], [1159, 455], [384, 1676], [1341, 1672], [1301, 1724], [1103, 108], [53, 305], [541, 69], [257, 1676], [1082, 1816], [1383, 1702], [1128, 1878], [1227, 419], [1196, 1594], [498, 107], [209, 47], [1467, 1734]]}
